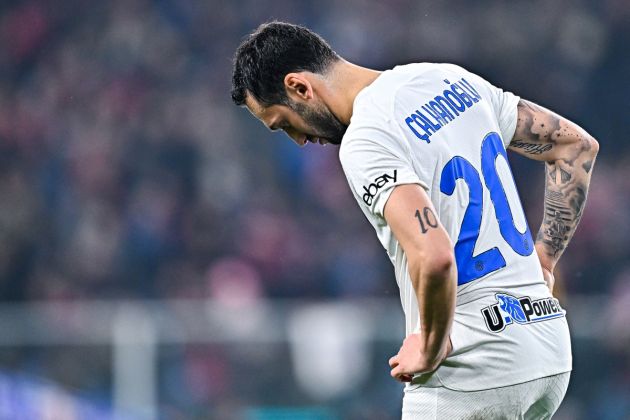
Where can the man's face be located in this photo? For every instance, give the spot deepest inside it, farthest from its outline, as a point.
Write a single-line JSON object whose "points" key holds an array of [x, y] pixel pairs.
{"points": [[303, 123]]}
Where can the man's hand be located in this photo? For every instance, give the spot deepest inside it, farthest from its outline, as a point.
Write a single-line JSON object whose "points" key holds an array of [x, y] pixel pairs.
{"points": [[547, 267], [412, 358], [549, 278], [432, 270]]}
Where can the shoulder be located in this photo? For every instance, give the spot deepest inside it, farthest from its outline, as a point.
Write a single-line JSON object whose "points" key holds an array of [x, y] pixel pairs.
{"points": [[353, 149], [393, 83], [376, 116], [401, 89]]}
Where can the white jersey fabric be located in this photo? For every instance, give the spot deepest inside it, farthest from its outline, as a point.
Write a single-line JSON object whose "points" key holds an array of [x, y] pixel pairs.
{"points": [[446, 129]]}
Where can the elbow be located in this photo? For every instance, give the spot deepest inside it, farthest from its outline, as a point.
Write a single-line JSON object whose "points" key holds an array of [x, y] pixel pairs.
{"points": [[434, 266], [594, 146], [441, 266], [590, 146]]}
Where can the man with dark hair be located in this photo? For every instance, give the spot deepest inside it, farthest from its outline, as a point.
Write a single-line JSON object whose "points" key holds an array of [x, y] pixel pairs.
{"points": [[424, 149]]}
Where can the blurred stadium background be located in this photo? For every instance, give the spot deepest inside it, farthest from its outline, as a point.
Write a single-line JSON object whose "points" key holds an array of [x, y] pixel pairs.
{"points": [[162, 255]]}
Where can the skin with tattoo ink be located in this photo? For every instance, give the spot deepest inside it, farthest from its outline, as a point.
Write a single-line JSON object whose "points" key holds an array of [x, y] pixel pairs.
{"points": [[426, 219], [569, 154]]}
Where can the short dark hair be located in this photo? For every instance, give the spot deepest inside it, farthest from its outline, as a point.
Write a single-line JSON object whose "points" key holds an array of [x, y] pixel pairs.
{"points": [[270, 53]]}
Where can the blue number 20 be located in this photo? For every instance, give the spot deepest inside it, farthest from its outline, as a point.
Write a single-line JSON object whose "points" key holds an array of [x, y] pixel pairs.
{"points": [[472, 267]]}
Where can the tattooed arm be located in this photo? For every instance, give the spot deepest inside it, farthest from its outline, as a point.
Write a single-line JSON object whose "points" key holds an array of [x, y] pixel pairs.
{"points": [[569, 154], [433, 274]]}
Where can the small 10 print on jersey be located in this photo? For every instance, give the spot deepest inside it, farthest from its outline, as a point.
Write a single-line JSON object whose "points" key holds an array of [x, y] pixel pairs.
{"points": [[523, 310]]}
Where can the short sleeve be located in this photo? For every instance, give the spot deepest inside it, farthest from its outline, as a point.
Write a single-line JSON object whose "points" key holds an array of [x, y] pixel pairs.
{"points": [[374, 168], [506, 108], [504, 104]]}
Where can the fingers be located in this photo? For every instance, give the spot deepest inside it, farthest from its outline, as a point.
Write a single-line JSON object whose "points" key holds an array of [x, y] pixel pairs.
{"points": [[393, 361], [399, 374], [549, 279], [397, 370], [396, 373]]}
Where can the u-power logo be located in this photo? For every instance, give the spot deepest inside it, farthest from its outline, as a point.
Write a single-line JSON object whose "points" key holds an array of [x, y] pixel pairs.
{"points": [[523, 310]]}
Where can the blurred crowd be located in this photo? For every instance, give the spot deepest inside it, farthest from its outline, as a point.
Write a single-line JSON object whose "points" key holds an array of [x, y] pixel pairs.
{"points": [[126, 172]]}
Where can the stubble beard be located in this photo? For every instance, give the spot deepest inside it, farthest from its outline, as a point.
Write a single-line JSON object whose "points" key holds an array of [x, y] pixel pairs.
{"points": [[325, 124]]}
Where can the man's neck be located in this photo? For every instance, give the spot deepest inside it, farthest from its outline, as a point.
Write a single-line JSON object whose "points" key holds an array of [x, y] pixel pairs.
{"points": [[342, 85]]}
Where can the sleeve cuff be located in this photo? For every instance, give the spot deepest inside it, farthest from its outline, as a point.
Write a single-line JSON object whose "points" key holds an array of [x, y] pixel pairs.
{"points": [[378, 207]]}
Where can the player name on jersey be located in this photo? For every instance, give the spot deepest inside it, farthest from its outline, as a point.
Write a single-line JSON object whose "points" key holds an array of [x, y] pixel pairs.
{"points": [[442, 109]]}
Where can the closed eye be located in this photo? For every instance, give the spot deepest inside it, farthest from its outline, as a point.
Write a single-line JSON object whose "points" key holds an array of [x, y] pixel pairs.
{"points": [[281, 126]]}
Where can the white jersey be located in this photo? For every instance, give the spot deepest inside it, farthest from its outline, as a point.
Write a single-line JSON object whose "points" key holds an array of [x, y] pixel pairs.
{"points": [[446, 129]]}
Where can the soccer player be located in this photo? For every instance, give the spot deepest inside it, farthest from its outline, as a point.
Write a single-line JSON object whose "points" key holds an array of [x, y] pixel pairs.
{"points": [[423, 147]]}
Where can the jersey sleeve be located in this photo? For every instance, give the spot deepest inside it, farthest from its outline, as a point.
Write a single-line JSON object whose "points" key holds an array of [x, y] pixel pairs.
{"points": [[374, 165], [504, 105]]}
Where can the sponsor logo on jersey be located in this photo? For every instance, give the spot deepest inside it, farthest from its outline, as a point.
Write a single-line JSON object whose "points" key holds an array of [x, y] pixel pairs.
{"points": [[379, 182], [523, 310]]}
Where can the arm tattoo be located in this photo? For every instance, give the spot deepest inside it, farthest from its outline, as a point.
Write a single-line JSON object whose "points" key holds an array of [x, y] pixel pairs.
{"points": [[567, 177], [564, 202], [427, 219], [531, 148], [536, 125]]}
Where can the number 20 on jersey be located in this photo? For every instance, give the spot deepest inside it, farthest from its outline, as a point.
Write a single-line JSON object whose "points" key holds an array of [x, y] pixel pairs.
{"points": [[472, 267]]}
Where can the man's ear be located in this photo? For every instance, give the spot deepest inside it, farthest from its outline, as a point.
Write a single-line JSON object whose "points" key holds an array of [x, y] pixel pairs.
{"points": [[298, 86]]}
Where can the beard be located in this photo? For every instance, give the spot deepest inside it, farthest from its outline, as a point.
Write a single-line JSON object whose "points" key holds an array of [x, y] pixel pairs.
{"points": [[325, 124]]}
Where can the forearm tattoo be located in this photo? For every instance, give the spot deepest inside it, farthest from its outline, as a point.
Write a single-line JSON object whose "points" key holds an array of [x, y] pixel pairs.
{"points": [[567, 175], [531, 148]]}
